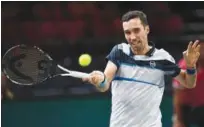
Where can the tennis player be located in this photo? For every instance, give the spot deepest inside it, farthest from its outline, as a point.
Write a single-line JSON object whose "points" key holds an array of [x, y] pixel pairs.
{"points": [[136, 70]]}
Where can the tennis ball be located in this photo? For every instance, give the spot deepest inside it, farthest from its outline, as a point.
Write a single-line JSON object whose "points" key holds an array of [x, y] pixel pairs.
{"points": [[85, 60]]}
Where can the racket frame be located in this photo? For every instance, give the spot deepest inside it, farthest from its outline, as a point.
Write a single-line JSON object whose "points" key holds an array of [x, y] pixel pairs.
{"points": [[75, 74]]}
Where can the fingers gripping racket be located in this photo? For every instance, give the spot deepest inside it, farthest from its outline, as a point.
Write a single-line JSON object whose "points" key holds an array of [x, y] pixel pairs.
{"points": [[25, 65]]}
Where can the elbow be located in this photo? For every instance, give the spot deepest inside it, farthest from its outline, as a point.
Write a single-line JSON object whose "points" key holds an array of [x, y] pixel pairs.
{"points": [[191, 86], [102, 90]]}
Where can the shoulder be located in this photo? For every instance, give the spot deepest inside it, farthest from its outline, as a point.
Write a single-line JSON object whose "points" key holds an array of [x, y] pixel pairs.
{"points": [[122, 47], [163, 54]]}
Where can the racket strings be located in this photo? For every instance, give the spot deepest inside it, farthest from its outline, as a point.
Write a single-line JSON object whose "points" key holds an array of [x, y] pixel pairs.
{"points": [[30, 64]]}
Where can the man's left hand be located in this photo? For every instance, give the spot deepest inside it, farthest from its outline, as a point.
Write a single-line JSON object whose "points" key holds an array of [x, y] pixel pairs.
{"points": [[192, 54]]}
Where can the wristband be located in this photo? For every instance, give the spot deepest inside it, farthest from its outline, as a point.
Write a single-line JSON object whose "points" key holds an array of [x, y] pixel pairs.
{"points": [[191, 71], [103, 83]]}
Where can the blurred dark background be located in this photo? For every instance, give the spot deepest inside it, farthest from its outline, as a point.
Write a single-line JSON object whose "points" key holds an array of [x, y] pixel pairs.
{"points": [[67, 29]]}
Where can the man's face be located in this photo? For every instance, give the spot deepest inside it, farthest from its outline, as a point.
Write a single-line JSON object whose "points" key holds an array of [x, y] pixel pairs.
{"points": [[136, 33]]}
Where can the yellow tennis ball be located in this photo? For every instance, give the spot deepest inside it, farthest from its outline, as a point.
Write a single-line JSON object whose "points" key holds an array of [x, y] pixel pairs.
{"points": [[85, 60]]}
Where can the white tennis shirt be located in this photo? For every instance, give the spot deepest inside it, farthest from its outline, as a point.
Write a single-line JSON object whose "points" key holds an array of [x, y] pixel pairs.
{"points": [[138, 86]]}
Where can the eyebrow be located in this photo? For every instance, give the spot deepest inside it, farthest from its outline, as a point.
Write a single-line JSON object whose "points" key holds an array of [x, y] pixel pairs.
{"points": [[126, 30], [132, 29]]}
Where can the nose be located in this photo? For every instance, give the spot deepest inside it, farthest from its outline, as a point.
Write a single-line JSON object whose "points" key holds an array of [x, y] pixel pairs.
{"points": [[133, 37]]}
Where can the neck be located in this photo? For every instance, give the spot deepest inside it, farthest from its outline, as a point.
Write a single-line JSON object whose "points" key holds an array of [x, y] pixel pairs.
{"points": [[141, 51]]}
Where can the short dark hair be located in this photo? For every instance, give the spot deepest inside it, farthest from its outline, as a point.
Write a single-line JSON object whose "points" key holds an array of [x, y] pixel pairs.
{"points": [[135, 14]]}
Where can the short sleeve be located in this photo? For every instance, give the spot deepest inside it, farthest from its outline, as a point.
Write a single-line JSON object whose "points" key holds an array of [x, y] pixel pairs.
{"points": [[171, 68], [114, 55]]}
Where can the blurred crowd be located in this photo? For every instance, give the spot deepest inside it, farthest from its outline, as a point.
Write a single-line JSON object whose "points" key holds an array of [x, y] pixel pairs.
{"points": [[36, 22]]}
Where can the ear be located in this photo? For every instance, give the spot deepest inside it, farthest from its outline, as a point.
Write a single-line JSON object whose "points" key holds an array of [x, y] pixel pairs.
{"points": [[147, 29]]}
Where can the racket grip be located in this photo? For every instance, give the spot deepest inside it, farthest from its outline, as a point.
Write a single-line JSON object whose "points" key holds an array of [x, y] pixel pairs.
{"points": [[77, 74]]}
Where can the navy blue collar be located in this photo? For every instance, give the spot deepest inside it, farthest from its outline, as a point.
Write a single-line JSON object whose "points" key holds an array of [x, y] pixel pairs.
{"points": [[149, 53]]}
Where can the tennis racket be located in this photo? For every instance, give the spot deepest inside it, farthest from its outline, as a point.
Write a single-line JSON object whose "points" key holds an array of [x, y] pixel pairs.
{"points": [[30, 65]]}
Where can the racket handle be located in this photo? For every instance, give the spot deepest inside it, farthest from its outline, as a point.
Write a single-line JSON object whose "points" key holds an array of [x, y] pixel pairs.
{"points": [[76, 74]]}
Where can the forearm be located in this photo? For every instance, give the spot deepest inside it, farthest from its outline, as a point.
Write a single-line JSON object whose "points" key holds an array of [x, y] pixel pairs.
{"points": [[191, 80], [177, 105], [109, 74]]}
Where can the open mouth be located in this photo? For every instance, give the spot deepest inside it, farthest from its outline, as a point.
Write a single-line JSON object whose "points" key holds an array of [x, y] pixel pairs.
{"points": [[136, 44]]}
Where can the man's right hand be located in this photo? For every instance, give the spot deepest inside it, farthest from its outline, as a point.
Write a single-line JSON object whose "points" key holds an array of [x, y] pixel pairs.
{"points": [[95, 78]]}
